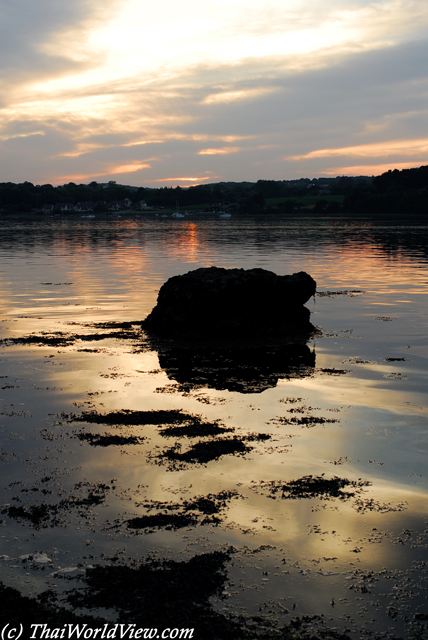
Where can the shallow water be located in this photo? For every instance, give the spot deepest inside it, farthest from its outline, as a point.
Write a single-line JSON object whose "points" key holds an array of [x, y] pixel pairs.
{"points": [[354, 555]]}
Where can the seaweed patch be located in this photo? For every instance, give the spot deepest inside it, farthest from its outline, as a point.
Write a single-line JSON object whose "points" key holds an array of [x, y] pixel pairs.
{"points": [[200, 510], [119, 330], [311, 487], [333, 294], [196, 428], [304, 421], [87, 495], [203, 452], [176, 592], [362, 506], [129, 417], [332, 371], [107, 439], [173, 423]]}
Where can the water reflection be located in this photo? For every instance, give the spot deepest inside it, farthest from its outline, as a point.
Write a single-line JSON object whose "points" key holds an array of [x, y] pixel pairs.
{"points": [[126, 452], [247, 369], [190, 237]]}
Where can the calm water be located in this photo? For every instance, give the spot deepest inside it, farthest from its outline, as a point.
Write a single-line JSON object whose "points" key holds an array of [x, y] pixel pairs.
{"points": [[356, 555]]}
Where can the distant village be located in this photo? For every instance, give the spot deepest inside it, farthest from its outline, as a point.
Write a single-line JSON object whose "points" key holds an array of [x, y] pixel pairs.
{"points": [[86, 207]]}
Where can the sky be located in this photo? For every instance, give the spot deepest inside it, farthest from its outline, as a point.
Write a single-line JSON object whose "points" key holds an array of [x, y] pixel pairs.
{"points": [[168, 92]]}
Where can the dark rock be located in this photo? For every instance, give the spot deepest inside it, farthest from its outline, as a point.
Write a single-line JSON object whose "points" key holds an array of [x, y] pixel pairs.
{"points": [[232, 302]]}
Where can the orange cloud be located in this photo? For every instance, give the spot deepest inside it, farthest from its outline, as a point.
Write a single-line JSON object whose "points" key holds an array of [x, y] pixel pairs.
{"points": [[369, 169], [219, 151], [124, 168], [137, 143], [182, 179], [210, 137], [242, 94], [22, 135], [130, 168], [417, 147], [80, 150]]}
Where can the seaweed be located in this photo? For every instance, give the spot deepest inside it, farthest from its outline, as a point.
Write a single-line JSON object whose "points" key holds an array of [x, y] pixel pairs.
{"points": [[204, 452], [38, 610], [107, 439], [312, 487], [195, 429], [44, 515], [178, 423], [122, 330], [304, 421], [200, 510], [177, 593], [333, 294], [335, 372], [129, 417], [162, 521]]}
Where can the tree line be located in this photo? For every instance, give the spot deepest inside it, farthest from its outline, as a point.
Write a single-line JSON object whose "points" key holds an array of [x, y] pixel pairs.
{"points": [[404, 191]]}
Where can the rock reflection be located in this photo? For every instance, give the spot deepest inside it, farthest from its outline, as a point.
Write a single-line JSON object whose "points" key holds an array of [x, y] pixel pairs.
{"points": [[244, 368]]}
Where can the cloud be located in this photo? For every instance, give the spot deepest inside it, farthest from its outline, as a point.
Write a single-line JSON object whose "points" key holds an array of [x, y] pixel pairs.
{"points": [[218, 151], [125, 169], [239, 94], [370, 169], [28, 30], [410, 148], [179, 181], [276, 91]]}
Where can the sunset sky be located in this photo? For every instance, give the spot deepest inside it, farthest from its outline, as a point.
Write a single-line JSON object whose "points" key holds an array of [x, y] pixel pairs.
{"points": [[186, 92]]}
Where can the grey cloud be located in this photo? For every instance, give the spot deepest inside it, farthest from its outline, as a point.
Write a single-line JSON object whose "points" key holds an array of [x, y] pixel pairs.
{"points": [[339, 98], [25, 26]]}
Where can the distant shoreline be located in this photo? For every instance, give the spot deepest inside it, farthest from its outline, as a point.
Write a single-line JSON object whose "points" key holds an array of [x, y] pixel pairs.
{"points": [[154, 215]]}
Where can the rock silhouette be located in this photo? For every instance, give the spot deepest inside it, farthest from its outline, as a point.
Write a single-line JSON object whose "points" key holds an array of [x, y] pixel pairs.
{"points": [[218, 302]]}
